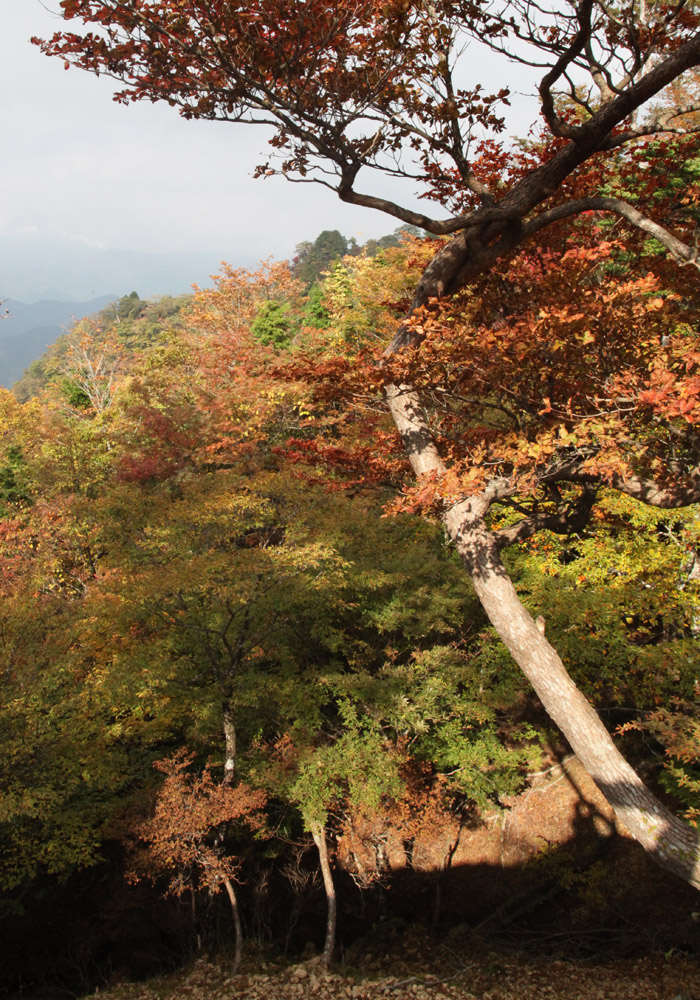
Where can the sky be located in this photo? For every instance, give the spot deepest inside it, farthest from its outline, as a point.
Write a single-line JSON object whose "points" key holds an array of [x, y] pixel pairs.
{"points": [[78, 167], [80, 171]]}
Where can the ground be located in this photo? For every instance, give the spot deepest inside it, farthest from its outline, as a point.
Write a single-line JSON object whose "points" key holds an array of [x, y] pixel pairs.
{"points": [[423, 969]]}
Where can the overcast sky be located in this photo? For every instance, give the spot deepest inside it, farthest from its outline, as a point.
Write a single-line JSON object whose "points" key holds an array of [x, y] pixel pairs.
{"points": [[78, 167]]}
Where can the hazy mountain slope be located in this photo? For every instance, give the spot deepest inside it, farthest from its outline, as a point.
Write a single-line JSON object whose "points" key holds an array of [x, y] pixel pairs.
{"points": [[22, 316], [28, 329], [16, 353]]}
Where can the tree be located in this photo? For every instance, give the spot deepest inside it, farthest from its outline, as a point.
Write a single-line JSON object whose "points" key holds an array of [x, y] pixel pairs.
{"points": [[353, 87], [312, 259], [183, 838], [239, 294], [273, 325]]}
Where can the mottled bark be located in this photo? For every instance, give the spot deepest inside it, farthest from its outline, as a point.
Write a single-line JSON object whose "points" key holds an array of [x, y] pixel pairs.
{"points": [[230, 743]]}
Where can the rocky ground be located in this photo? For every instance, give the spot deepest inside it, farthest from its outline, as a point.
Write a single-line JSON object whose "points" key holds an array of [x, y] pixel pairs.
{"points": [[424, 970]]}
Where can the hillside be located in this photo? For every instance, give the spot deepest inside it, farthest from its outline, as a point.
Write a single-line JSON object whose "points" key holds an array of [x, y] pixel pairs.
{"points": [[200, 580], [28, 331], [134, 323]]}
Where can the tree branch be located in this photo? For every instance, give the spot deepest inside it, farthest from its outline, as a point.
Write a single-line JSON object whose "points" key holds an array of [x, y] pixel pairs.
{"points": [[580, 40], [679, 250], [567, 519], [645, 490]]}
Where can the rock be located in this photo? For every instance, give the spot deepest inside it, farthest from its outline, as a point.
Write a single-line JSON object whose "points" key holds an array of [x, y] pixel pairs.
{"points": [[300, 972]]}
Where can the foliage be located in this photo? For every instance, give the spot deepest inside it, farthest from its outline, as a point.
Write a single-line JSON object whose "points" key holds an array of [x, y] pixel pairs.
{"points": [[238, 295], [273, 325], [619, 602], [315, 312], [524, 411], [675, 727], [12, 489], [312, 259], [121, 329], [165, 574], [182, 838]]}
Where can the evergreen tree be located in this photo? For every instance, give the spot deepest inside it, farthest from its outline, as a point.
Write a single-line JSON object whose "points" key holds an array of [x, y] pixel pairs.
{"points": [[312, 259], [273, 325]]}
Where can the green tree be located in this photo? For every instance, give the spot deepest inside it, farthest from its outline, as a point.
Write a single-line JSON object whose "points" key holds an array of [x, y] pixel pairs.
{"points": [[274, 325], [312, 259], [315, 311]]}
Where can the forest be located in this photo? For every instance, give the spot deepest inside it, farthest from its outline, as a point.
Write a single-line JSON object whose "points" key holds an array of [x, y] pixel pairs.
{"points": [[313, 578]]}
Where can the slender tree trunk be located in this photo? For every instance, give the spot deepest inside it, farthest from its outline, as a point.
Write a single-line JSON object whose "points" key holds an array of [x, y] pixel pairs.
{"points": [[443, 868], [230, 744], [672, 843], [238, 930], [318, 832]]}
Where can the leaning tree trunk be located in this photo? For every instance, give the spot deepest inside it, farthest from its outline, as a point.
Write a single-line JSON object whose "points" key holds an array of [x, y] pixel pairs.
{"points": [[238, 929], [672, 843], [318, 832]]}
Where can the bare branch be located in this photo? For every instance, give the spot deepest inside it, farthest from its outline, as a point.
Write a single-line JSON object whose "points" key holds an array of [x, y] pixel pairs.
{"points": [[580, 40]]}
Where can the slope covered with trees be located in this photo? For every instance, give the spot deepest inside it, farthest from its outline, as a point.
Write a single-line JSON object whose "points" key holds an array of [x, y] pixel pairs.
{"points": [[236, 551], [352, 89], [214, 561]]}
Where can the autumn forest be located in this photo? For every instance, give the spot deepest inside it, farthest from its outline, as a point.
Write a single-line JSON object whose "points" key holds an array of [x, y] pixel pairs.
{"points": [[310, 577]]}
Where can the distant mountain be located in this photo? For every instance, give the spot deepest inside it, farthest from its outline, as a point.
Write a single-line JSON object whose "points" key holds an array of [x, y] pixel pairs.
{"points": [[17, 353], [46, 285], [25, 316], [28, 329], [31, 271]]}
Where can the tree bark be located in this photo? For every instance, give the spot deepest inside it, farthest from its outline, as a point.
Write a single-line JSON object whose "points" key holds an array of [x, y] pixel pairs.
{"points": [[318, 832], [672, 843], [238, 930], [230, 743]]}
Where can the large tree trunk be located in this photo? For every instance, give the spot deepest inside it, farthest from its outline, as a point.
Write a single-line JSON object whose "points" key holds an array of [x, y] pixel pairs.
{"points": [[319, 834], [672, 843]]}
